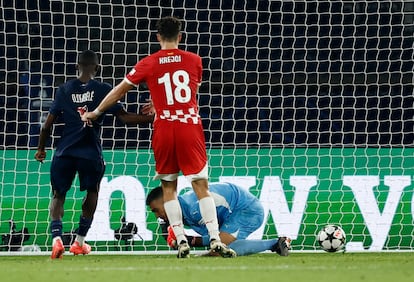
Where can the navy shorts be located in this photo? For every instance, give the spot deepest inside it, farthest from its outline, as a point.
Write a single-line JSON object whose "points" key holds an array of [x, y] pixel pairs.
{"points": [[63, 171]]}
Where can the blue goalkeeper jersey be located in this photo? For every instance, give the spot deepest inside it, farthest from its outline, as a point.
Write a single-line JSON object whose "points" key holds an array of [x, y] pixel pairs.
{"points": [[71, 100], [228, 198]]}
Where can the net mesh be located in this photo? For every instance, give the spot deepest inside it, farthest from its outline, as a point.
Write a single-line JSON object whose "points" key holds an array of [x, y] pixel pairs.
{"points": [[290, 88]]}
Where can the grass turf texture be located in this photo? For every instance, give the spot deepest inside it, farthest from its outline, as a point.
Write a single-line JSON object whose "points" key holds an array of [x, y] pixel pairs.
{"points": [[263, 267]]}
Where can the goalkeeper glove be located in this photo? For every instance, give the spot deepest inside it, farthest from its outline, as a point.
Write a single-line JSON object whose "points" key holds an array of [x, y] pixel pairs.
{"points": [[171, 239]]}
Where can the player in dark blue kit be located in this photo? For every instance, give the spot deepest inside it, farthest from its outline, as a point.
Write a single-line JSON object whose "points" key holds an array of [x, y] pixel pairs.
{"points": [[79, 149]]}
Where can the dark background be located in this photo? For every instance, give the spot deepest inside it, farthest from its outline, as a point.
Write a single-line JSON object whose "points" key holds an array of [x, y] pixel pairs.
{"points": [[276, 73]]}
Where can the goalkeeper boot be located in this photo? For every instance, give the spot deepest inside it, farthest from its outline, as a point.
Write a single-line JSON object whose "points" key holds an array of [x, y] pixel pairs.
{"points": [[183, 250], [282, 246], [57, 249], [77, 249], [221, 248]]}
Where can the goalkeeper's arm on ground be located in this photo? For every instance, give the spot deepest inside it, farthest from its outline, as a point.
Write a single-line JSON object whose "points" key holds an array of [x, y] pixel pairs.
{"points": [[169, 236]]}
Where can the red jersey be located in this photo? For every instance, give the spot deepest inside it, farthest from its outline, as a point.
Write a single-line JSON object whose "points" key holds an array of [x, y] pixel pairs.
{"points": [[173, 77]]}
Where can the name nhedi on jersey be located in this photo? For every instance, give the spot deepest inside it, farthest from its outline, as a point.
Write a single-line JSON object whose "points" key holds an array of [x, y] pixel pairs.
{"points": [[84, 97], [170, 59]]}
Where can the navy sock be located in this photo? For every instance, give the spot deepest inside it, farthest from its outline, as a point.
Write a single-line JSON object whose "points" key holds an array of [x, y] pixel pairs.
{"points": [[56, 228], [248, 247], [84, 225]]}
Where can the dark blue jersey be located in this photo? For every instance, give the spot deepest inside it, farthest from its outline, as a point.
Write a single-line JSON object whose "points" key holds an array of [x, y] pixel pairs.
{"points": [[71, 100]]}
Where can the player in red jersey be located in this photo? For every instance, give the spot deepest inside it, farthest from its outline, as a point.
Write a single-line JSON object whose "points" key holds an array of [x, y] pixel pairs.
{"points": [[173, 77]]}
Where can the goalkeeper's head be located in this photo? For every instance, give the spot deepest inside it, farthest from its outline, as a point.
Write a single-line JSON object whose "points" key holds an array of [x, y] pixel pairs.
{"points": [[88, 62], [156, 203], [169, 29]]}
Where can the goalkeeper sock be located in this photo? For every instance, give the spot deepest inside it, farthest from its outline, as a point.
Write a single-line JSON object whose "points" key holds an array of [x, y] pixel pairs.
{"points": [[56, 228], [209, 214], [175, 218], [248, 247]]}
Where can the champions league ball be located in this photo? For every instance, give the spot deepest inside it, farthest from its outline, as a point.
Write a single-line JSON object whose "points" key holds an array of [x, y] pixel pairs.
{"points": [[331, 238]]}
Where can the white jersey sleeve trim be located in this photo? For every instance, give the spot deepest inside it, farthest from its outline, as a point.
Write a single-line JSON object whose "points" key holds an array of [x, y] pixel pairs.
{"points": [[129, 82]]}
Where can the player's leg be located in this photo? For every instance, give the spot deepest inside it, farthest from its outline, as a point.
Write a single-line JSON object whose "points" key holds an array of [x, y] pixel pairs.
{"points": [[163, 144], [90, 175], [246, 247], [174, 213], [89, 204], [209, 214], [62, 173], [172, 208], [56, 214], [192, 160], [240, 224], [207, 206]]}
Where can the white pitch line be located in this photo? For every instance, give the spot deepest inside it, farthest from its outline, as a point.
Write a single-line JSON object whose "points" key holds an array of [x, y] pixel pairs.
{"points": [[213, 268]]}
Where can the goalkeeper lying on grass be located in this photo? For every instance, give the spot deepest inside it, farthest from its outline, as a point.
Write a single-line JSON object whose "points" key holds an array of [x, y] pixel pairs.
{"points": [[239, 214]]}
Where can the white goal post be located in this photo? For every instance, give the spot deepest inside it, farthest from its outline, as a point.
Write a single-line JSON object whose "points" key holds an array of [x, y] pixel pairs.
{"points": [[307, 104]]}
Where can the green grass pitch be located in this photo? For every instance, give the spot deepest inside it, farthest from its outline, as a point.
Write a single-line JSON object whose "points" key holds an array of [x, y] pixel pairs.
{"points": [[308, 267]]}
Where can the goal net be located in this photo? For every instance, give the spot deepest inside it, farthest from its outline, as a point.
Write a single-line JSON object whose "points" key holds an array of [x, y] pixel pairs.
{"points": [[308, 104]]}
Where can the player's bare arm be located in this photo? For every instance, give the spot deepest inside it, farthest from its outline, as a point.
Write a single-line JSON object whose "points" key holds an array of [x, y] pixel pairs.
{"points": [[44, 136], [111, 99], [133, 119]]}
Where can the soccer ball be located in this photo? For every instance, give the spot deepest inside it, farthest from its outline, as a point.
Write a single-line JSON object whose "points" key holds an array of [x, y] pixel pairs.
{"points": [[331, 238]]}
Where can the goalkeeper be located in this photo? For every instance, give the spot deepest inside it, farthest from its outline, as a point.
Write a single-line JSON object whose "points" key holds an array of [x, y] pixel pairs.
{"points": [[79, 149], [239, 214]]}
